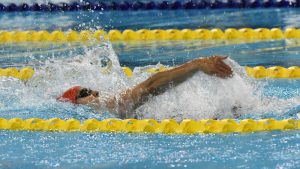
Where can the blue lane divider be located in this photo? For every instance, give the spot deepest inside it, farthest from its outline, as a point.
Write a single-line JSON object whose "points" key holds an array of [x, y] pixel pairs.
{"points": [[141, 5]]}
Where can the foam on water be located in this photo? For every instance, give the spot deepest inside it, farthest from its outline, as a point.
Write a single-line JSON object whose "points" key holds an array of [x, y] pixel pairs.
{"points": [[84, 70], [201, 96], [57, 75], [204, 96]]}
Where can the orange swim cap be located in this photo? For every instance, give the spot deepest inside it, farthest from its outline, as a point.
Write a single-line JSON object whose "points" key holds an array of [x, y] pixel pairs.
{"points": [[70, 94]]}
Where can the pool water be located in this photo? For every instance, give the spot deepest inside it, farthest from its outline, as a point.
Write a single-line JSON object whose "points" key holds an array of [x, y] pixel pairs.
{"points": [[103, 150], [152, 19], [118, 150]]}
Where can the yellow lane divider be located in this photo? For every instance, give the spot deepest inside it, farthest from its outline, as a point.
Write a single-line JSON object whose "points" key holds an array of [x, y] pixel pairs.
{"points": [[167, 126], [22, 74], [146, 34], [255, 72], [273, 72]]}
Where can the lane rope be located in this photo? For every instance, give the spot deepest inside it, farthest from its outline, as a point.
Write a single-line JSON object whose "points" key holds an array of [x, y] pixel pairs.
{"points": [[167, 126], [246, 34], [149, 5], [255, 72], [22, 74]]}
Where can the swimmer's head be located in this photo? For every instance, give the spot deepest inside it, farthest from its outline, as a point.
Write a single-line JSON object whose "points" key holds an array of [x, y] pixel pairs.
{"points": [[79, 95]]}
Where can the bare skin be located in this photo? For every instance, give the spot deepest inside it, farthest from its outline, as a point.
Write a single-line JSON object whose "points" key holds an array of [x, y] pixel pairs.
{"points": [[127, 101]]}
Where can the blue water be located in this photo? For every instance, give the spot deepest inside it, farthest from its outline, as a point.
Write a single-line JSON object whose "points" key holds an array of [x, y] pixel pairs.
{"points": [[153, 19], [114, 150], [281, 52], [60, 150]]}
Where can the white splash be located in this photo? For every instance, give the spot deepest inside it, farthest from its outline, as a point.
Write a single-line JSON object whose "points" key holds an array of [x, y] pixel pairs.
{"points": [[84, 70], [204, 96], [201, 96], [50, 80]]}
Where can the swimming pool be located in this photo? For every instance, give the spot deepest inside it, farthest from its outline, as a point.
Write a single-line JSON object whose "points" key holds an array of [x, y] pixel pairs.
{"points": [[114, 150]]}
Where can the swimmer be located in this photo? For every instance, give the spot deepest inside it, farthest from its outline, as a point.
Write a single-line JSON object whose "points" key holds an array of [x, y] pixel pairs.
{"points": [[125, 103]]}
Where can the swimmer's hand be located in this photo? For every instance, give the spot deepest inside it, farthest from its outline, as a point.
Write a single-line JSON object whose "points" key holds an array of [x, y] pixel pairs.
{"points": [[215, 66]]}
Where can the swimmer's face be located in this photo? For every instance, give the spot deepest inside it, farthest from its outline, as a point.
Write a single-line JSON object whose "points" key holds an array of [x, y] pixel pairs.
{"points": [[86, 95]]}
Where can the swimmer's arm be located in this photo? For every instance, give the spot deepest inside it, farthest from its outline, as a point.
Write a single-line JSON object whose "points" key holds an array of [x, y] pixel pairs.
{"points": [[130, 99], [125, 103]]}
